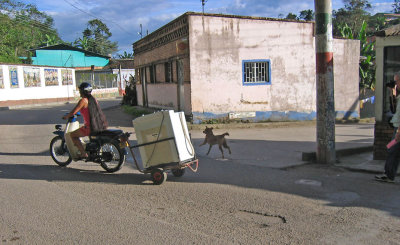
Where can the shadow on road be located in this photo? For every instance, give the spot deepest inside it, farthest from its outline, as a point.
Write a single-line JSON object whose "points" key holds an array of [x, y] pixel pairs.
{"points": [[43, 153], [334, 186], [57, 173]]}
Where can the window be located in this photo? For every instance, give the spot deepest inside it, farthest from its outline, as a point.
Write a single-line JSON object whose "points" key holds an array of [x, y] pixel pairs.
{"points": [[168, 72], [152, 74], [256, 72]]}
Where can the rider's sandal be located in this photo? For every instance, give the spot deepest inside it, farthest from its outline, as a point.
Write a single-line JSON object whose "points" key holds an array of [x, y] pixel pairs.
{"points": [[82, 157]]}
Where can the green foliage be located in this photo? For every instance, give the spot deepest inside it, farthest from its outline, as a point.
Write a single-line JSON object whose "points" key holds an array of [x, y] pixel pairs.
{"points": [[307, 15], [367, 52], [376, 23], [82, 43], [353, 14], [291, 16], [23, 27], [125, 55], [135, 112], [396, 6], [95, 38], [367, 65], [346, 31]]}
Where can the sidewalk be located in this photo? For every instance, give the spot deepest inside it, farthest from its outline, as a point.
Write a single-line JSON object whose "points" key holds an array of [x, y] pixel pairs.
{"points": [[279, 144], [284, 146]]}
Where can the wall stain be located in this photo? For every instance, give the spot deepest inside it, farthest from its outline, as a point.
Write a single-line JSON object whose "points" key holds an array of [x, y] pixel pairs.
{"points": [[253, 103]]}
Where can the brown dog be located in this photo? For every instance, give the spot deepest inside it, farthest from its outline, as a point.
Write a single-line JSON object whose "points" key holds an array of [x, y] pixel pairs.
{"points": [[212, 139]]}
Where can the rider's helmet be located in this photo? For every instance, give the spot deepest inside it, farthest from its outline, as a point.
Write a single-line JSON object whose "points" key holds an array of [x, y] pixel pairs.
{"points": [[85, 88]]}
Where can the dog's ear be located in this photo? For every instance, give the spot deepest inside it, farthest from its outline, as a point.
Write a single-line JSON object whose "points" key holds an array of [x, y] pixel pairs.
{"points": [[211, 128], [206, 127]]}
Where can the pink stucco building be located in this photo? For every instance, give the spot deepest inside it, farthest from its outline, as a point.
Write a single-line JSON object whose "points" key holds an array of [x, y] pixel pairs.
{"points": [[258, 69]]}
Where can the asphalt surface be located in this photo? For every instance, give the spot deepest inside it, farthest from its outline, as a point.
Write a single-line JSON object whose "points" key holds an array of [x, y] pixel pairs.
{"points": [[262, 193]]}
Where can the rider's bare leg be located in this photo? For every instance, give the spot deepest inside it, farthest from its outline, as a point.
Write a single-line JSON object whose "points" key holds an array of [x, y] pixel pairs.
{"points": [[75, 135]]}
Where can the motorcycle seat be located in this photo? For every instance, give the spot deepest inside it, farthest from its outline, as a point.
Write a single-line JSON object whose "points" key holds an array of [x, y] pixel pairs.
{"points": [[108, 132]]}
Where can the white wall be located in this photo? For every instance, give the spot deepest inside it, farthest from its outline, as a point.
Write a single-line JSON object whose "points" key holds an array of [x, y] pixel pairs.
{"points": [[126, 74], [164, 96], [219, 45], [31, 93]]}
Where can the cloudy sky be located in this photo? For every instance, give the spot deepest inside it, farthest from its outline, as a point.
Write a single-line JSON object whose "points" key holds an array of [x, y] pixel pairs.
{"points": [[123, 17]]}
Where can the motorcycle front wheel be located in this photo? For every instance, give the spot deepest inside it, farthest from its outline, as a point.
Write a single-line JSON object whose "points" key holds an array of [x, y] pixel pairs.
{"points": [[112, 157], [59, 151]]}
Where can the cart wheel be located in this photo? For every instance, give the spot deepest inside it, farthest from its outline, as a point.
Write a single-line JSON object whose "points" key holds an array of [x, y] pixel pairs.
{"points": [[178, 172], [158, 176]]}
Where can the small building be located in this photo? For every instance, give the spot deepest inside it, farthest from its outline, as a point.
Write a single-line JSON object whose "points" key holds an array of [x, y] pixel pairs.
{"points": [[62, 68], [214, 66], [387, 63], [64, 55]]}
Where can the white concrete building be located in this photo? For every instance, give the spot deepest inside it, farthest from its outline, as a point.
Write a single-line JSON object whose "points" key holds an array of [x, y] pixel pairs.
{"points": [[259, 69]]}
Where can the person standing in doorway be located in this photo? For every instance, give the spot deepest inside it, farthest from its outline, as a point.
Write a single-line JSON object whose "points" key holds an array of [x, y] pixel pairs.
{"points": [[392, 159]]}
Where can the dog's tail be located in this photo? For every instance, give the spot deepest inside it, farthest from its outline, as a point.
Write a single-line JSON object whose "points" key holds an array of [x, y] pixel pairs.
{"points": [[225, 134]]}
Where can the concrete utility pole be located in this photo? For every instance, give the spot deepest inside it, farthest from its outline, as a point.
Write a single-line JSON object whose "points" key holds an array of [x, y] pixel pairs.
{"points": [[325, 84]]}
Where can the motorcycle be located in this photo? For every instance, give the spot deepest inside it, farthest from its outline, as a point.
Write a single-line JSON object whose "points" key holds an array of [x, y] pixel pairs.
{"points": [[107, 148]]}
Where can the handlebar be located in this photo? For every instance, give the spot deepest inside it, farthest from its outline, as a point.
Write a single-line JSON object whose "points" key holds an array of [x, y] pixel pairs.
{"points": [[74, 117]]}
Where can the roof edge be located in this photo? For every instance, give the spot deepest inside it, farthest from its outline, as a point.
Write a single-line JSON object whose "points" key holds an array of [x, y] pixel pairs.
{"points": [[222, 16]]}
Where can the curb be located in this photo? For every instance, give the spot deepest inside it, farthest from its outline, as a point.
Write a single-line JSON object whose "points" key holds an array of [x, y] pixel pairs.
{"points": [[312, 156], [6, 108], [111, 107], [252, 125], [38, 105]]}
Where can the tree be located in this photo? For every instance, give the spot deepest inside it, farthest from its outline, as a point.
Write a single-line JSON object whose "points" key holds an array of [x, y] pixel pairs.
{"points": [[353, 14], [307, 15], [376, 23], [396, 6], [82, 43], [291, 16], [367, 52], [23, 27], [125, 55], [96, 38]]}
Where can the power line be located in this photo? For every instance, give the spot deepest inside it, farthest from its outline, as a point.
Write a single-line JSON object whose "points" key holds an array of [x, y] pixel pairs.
{"points": [[36, 24], [44, 28], [83, 11], [18, 16]]}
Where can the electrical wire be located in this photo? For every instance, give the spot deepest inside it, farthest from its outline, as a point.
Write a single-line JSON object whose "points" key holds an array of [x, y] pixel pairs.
{"points": [[25, 20], [94, 16]]}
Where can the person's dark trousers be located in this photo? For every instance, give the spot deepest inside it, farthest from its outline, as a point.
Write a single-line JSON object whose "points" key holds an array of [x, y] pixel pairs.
{"points": [[392, 159]]}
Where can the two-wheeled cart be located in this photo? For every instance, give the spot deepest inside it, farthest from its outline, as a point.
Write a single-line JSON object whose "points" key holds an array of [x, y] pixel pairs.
{"points": [[159, 172], [164, 145]]}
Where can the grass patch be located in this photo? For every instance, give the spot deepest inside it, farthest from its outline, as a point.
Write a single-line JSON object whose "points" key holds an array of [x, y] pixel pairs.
{"points": [[134, 111]]}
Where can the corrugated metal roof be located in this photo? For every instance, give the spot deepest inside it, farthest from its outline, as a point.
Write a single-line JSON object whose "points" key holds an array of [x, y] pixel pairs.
{"points": [[389, 32], [68, 47]]}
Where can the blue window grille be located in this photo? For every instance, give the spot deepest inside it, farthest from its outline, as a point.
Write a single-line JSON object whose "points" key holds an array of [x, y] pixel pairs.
{"points": [[256, 72]]}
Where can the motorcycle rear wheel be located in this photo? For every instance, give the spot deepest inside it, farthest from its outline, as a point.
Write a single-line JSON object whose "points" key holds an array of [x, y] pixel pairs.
{"points": [[59, 151], [112, 157]]}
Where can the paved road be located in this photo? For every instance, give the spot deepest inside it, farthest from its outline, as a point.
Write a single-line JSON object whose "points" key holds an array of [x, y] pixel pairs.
{"points": [[245, 199]]}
